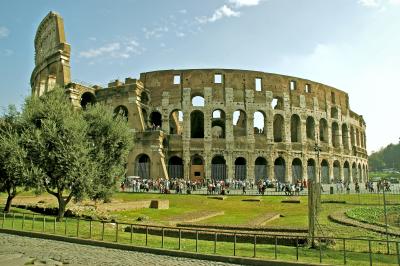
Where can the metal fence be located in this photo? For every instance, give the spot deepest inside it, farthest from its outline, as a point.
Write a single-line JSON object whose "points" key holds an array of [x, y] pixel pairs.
{"points": [[337, 251]]}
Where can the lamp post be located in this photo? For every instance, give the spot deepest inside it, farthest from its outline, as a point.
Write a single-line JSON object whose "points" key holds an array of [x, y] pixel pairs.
{"points": [[314, 198]]}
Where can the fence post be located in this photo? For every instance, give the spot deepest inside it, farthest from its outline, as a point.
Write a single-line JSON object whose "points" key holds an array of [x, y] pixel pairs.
{"points": [[344, 251], [197, 241], [90, 229], [44, 223], [398, 252], [297, 248], [65, 226], [147, 233], [180, 236], [131, 233], [215, 242], [4, 218], [234, 244], [254, 248], [77, 227], [320, 250], [23, 221], [12, 222], [33, 222], [54, 225], [370, 252], [162, 237], [276, 244], [102, 231], [116, 232]]}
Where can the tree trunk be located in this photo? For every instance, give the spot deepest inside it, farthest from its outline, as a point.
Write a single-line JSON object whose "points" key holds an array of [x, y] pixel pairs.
{"points": [[61, 209], [8, 203]]}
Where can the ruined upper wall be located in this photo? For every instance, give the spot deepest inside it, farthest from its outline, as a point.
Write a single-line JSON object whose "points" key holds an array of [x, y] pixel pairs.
{"points": [[52, 55], [159, 81]]}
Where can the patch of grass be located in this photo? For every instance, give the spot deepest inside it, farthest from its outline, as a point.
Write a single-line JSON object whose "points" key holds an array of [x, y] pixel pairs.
{"points": [[373, 215]]}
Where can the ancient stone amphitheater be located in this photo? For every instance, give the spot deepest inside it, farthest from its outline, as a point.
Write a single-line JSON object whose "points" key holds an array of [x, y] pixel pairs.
{"points": [[204, 124]]}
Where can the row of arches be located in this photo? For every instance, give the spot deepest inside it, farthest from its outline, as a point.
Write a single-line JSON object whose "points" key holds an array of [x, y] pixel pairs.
{"points": [[328, 173]]}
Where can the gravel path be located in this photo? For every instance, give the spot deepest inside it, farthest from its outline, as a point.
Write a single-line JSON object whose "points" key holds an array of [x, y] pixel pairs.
{"points": [[17, 250]]}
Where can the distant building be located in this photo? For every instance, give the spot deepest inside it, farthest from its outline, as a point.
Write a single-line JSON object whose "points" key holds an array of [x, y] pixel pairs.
{"points": [[218, 123]]}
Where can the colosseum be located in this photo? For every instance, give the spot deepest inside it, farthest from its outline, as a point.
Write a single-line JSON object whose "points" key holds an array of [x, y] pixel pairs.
{"points": [[203, 124]]}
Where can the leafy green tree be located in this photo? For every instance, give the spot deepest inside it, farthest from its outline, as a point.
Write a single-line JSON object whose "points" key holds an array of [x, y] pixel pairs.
{"points": [[111, 142], [15, 167], [77, 153]]}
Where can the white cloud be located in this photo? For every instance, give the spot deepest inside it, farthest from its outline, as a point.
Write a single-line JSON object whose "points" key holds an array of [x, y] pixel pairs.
{"points": [[180, 34], [155, 33], [222, 12], [394, 2], [241, 3], [4, 32], [114, 50], [369, 3], [383, 4]]}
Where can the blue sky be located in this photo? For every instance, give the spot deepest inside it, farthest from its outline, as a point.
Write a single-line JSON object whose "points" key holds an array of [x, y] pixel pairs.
{"points": [[353, 45]]}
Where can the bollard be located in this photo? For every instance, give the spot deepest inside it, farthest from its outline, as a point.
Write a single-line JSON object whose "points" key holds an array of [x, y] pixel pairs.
{"points": [[234, 244], [44, 223], [215, 243], [102, 231], [254, 248], [162, 237], [276, 244], [33, 222], [12, 222], [65, 226], [197, 241], [77, 227], [4, 218], [344, 251], [131, 234], [320, 250], [116, 232], [90, 229], [23, 221], [147, 234], [297, 248], [54, 225], [180, 236]]}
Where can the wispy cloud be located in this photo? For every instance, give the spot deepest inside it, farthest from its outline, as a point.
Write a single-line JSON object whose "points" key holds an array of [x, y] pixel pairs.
{"points": [[242, 3], [4, 32], [155, 33], [369, 3], [114, 50], [221, 12], [382, 4]]}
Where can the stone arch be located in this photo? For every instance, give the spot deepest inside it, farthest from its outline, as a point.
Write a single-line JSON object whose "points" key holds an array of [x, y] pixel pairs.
{"points": [[353, 143], [360, 173], [279, 129], [144, 98], [239, 123], [156, 120], [175, 167], [259, 123], [311, 174], [310, 128], [345, 136], [325, 179], [260, 168], [218, 168], [280, 169], [240, 168], [121, 110], [87, 98], [176, 122], [295, 128], [335, 135], [297, 170], [142, 167], [197, 168], [346, 172], [334, 112], [198, 100], [218, 124], [336, 171], [323, 130], [354, 173], [197, 124]]}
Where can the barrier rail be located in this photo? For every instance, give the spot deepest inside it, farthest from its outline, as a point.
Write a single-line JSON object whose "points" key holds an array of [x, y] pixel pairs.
{"points": [[222, 242]]}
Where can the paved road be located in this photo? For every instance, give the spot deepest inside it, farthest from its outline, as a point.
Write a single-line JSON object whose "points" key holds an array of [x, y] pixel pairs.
{"points": [[17, 250]]}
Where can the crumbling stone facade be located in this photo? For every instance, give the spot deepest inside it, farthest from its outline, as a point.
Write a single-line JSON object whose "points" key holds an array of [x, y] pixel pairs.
{"points": [[224, 123]]}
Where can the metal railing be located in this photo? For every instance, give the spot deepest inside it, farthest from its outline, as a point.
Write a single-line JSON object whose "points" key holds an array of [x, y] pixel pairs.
{"points": [[222, 242]]}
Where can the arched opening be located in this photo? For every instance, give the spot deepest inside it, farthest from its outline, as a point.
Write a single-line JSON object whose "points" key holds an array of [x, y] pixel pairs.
{"points": [[142, 168], [259, 123], [175, 167], [346, 172], [310, 128], [335, 135], [87, 98], [278, 128], [323, 130], [260, 168], [354, 173], [176, 122], [240, 168], [122, 111], [334, 112], [197, 168], [297, 170], [357, 138], [345, 136], [360, 173], [325, 172], [277, 103], [336, 171], [197, 124], [218, 168], [239, 123], [311, 170], [144, 98], [218, 124], [198, 101], [352, 136], [295, 129], [280, 169], [156, 120]]}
